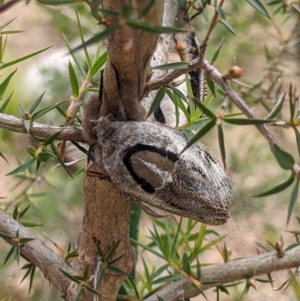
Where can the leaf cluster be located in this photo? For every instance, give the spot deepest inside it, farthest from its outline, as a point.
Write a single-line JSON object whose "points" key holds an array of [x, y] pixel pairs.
{"points": [[104, 262], [178, 243]]}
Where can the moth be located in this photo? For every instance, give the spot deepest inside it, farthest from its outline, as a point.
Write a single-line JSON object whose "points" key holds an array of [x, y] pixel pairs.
{"points": [[144, 161]]}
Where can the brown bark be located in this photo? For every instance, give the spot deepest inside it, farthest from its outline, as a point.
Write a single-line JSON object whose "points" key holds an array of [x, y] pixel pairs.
{"points": [[40, 130], [106, 216], [129, 54]]}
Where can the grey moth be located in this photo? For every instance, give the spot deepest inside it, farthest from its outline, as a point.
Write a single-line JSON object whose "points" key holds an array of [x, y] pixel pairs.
{"points": [[143, 161]]}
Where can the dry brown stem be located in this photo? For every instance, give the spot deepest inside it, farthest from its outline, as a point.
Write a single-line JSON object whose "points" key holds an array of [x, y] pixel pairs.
{"points": [[106, 216], [215, 75], [230, 272], [8, 5], [14, 124], [212, 25]]}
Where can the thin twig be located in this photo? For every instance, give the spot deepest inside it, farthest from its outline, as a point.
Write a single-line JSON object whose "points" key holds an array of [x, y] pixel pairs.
{"points": [[277, 105], [212, 25], [14, 124], [7, 5], [215, 75]]}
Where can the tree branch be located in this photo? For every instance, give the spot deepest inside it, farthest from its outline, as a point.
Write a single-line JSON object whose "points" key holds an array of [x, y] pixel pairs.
{"points": [[106, 217], [40, 130], [48, 261], [8, 5], [129, 53], [215, 75], [230, 272]]}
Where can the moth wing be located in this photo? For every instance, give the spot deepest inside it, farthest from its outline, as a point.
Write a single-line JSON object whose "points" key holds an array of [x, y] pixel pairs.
{"points": [[153, 168]]}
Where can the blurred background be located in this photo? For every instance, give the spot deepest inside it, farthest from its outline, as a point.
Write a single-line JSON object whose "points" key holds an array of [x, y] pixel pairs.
{"points": [[56, 200]]}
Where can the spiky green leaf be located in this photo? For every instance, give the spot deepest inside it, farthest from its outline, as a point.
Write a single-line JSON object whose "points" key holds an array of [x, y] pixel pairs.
{"points": [[22, 213], [211, 86], [171, 66], [203, 108], [5, 235], [6, 24], [157, 100], [87, 56], [227, 25], [25, 240], [111, 252], [278, 188], [116, 270], [10, 253], [23, 58], [259, 7], [145, 26], [22, 167], [222, 145], [46, 156], [293, 199], [2, 156], [90, 289], [73, 278], [147, 248], [81, 291], [42, 112], [297, 139], [59, 159], [52, 137], [169, 278], [216, 54], [98, 64], [21, 110], [98, 37], [284, 159], [36, 103], [292, 246], [200, 134], [75, 58], [74, 81], [4, 84], [4, 105], [246, 121]]}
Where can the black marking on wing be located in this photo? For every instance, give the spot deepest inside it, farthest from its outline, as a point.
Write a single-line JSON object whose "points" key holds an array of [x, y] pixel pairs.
{"points": [[197, 170], [208, 157], [170, 202], [144, 147], [159, 116]]}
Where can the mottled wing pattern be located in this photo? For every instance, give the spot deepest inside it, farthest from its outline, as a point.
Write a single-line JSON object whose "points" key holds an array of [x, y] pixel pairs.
{"points": [[143, 160]]}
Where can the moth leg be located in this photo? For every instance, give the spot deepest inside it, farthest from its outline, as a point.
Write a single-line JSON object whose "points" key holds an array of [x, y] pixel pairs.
{"points": [[146, 209]]}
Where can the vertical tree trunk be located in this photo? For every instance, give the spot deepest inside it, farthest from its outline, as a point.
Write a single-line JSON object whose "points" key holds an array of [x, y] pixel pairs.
{"points": [[106, 219], [106, 216]]}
